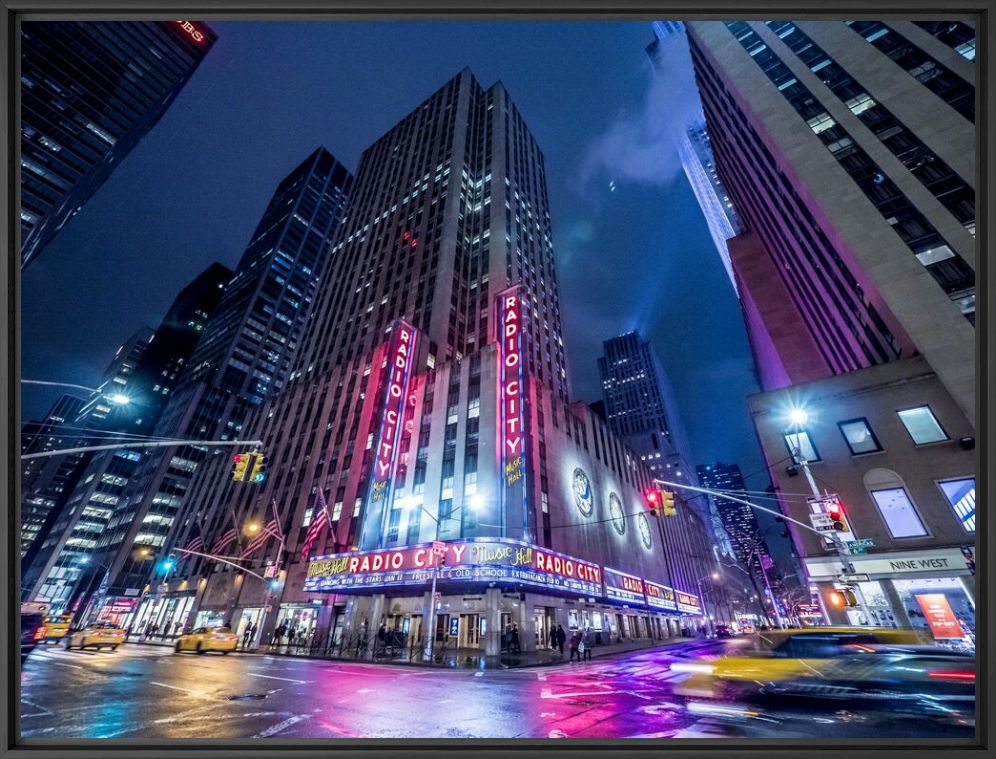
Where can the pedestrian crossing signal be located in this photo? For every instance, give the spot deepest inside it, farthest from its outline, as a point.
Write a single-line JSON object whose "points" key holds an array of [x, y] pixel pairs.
{"points": [[256, 473]]}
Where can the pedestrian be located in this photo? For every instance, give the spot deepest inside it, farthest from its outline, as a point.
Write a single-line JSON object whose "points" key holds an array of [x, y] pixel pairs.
{"points": [[290, 636], [561, 638], [247, 635], [575, 643], [515, 640], [585, 646], [553, 639], [278, 634]]}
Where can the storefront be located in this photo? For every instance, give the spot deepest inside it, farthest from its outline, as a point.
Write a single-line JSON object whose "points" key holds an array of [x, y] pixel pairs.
{"points": [[930, 590]]}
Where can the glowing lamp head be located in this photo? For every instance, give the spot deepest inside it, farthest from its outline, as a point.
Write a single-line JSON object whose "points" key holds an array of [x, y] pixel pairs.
{"points": [[715, 575], [119, 398], [798, 416], [476, 502], [252, 528]]}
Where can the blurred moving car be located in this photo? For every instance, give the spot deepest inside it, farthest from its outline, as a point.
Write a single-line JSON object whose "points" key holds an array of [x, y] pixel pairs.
{"points": [[780, 655], [725, 631], [98, 635], [204, 639], [56, 627], [905, 678], [32, 632]]}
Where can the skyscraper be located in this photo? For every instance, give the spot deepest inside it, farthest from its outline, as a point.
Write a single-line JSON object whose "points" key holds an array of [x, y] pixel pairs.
{"points": [[695, 151], [739, 520], [429, 402], [90, 91], [848, 151], [73, 497], [242, 358]]}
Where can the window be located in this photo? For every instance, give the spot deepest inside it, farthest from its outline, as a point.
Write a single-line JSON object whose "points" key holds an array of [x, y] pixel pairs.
{"points": [[961, 496], [859, 436], [922, 425], [898, 512], [801, 446]]}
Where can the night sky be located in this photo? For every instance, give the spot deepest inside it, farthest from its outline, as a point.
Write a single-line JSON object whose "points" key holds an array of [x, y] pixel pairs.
{"points": [[634, 257]]}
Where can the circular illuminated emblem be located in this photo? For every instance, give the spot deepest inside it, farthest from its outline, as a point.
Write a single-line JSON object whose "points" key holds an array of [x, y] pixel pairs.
{"points": [[582, 492], [644, 528], [616, 513]]}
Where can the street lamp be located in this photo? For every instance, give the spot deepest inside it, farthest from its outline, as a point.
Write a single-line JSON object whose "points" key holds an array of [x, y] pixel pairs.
{"points": [[474, 503], [713, 576], [251, 528]]}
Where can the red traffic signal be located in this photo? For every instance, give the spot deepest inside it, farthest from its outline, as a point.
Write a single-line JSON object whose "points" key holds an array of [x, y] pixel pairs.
{"points": [[653, 501], [835, 510]]}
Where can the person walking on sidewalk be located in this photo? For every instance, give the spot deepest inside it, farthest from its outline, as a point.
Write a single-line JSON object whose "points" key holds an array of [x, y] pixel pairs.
{"points": [[247, 635], [561, 638], [516, 648], [585, 646], [553, 638], [575, 643]]}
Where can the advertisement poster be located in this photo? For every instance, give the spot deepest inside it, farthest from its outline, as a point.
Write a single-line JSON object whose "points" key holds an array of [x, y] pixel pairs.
{"points": [[939, 616]]}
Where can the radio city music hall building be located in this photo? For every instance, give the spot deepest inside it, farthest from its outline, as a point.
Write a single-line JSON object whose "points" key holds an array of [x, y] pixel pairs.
{"points": [[428, 402]]}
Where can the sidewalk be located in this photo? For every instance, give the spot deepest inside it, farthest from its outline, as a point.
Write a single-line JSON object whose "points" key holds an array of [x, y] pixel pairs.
{"points": [[466, 658]]}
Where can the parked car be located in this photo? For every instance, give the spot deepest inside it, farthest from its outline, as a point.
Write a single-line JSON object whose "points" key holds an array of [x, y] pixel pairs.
{"points": [[32, 632], [725, 631]]}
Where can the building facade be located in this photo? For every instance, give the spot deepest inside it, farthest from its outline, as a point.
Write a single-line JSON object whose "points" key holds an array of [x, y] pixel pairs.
{"points": [[695, 153], [243, 357], [90, 485], [848, 151], [90, 91], [899, 452], [429, 403]]}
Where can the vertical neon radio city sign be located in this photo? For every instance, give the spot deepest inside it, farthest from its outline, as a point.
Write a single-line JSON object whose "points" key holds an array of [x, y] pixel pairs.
{"points": [[511, 393], [400, 359]]}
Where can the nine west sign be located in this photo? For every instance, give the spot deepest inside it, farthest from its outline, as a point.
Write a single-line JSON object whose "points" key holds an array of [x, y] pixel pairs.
{"points": [[900, 562]]}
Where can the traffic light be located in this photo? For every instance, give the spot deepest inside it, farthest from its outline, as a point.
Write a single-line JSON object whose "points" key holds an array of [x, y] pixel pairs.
{"points": [[849, 598], [835, 510], [667, 504], [239, 471], [836, 598], [843, 597], [653, 501], [256, 474]]}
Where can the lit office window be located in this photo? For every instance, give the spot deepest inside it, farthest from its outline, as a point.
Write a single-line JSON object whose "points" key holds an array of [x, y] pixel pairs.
{"points": [[859, 436], [897, 510], [922, 425], [961, 496]]}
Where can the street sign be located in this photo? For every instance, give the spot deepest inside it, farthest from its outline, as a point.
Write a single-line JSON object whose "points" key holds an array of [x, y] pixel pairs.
{"points": [[863, 543], [821, 522], [853, 578]]}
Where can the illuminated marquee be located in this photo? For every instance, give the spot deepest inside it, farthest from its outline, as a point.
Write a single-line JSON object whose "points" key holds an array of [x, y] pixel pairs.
{"points": [[687, 603], [660, 596], [195, 34], [620, 586], [476, 560], [399, 360]]}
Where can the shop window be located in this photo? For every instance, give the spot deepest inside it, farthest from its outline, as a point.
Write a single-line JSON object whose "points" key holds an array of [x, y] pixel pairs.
{"points": [[922, 425], [859, 436], [961, 497]]}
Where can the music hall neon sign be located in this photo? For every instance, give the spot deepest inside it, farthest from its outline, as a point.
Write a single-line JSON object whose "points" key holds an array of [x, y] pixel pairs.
{"points": [[511, 387]]}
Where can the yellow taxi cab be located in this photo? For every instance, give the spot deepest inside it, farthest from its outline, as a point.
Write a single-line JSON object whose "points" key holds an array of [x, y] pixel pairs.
{"points": [[204, 639], [98, 635], [777, 655], [56, 627]]}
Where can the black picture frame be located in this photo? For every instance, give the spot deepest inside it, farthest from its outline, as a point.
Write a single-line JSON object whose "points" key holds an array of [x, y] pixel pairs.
{"points": [[13, 10]]}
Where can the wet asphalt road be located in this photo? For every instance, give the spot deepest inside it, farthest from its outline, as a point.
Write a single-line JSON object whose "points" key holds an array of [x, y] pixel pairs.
{"points": [[150, 692]]}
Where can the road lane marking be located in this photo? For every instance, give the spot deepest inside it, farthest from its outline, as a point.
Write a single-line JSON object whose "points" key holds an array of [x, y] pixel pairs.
{"points": [[274, 677], [280, 726], [177, 687], [41, 713], [62, 663], [478, 674]]}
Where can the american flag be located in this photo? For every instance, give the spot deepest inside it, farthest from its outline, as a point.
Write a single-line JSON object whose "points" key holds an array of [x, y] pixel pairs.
{"points": [[225, 541], [196, 544], [272, 529], [318, 521]]}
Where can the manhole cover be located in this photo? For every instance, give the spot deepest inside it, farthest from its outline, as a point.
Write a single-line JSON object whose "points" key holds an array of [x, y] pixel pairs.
{"points": [[247, 697]]}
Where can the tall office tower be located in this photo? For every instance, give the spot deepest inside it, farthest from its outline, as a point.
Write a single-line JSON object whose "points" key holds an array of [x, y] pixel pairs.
{"points": [[428, 402], [43, 480], [90, 91], [739, 520], [848, 149], [72, 497], [243, 358], [693, 146]]}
